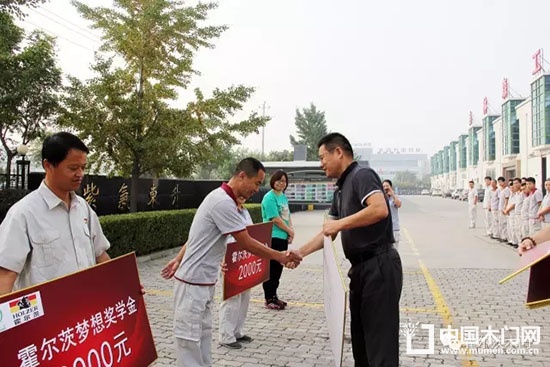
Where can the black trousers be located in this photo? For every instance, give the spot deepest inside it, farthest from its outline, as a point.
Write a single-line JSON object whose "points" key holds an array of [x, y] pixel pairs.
{"points": [[375, 290], [275, 269]]}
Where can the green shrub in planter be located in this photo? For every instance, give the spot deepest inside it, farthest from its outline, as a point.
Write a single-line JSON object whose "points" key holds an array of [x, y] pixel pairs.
{"points": [[148, 232]]}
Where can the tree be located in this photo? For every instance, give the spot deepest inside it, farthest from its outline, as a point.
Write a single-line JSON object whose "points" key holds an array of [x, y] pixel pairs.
{"points": [[129, 112], [406, 180], [311, 127], [279, 156], [29, 82], [13, 7]]}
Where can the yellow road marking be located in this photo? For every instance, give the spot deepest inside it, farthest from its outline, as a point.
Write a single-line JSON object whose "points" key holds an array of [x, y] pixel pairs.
{"points": [[440, 304], [158, 292]]}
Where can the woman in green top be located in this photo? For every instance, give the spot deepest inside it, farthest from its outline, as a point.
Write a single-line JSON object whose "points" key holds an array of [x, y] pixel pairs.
{"points": [[275, 209]]}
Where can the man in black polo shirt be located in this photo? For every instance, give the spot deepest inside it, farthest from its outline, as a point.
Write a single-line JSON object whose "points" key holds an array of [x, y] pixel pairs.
{"points": [[361, 213]]}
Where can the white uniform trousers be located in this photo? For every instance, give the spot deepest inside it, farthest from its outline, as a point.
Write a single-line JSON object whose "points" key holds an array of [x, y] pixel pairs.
{"points": [[534, 226], [396, 237], [494, 224], [502, 226], [472, 214], [232, 316], [193, 324], [510, 229], [517, 229], [488, 222], [524, 228]]}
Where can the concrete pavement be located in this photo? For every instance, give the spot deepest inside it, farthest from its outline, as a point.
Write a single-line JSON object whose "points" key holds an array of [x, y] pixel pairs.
{"points": [[451, 277]]}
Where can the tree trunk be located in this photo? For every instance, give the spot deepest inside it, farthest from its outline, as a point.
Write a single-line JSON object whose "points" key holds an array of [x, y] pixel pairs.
{"points": [[9, 158], [134, 187]]}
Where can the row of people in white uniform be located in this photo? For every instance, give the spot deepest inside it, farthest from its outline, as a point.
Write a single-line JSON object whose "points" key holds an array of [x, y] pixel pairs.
{"points": [[515, 210]]}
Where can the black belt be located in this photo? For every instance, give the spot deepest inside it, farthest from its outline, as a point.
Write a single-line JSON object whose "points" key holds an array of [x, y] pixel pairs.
{"points": [[358, 258]]}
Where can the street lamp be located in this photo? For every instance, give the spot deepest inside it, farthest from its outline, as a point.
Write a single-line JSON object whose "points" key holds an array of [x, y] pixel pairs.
{"points": [[23, 166]]}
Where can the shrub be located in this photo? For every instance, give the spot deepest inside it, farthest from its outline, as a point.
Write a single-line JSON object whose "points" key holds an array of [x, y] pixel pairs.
{"points": [[147, 232], [8, 198]]}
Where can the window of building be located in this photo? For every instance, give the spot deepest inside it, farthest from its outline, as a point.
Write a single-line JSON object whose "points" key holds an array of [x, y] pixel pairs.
{"points": [[462, 148], [540, 109], [473, 152], [490, 148], [510, 125]]}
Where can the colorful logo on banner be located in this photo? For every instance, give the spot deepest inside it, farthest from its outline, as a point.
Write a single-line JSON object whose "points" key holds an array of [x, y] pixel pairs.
{"points": [[20, 311]]}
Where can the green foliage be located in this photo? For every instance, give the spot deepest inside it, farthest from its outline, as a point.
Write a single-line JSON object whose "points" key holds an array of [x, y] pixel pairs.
{"points": [[279, 156], [10, 197], [311, 127], [13, 7], [407, 180], [148, 232], [29, 82], [130, 114]]}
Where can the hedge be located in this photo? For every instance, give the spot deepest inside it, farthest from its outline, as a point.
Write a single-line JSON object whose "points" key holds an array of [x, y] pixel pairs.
{"points": [[8, 198], [148, 232]]}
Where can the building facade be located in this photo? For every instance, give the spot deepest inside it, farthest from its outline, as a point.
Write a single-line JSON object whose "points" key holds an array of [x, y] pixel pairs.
{"points": [[515, 143]]}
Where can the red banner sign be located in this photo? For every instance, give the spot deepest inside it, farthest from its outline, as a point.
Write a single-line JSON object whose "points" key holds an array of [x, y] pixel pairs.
{"points": [[92, 318], [245, 270], [485, 105], [537, 56], [505, 88]]}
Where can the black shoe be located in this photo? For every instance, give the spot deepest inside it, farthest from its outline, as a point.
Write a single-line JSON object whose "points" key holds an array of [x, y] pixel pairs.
{"points": [[245, 339], [234, 345]]}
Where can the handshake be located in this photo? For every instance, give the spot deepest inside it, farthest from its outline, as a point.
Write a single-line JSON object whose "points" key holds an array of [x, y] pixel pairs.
{"points": [[291, 259]]}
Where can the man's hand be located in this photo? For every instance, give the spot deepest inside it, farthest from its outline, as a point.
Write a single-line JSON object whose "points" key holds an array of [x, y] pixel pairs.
{"points": [[525, 245], [170, 269], [331, 228], [291, 233], [290, 256], [293, 264]]}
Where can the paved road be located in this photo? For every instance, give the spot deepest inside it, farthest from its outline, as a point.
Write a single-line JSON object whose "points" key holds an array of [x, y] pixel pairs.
{"points": [[451, 277]]}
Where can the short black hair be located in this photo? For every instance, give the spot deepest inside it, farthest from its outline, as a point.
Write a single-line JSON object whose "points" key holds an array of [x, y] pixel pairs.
{"points": [[335, 140], [276, 177], [501, 179], [488, 178], [250, 166], [471, 181], [517, 179], [388, 181], [55, 148], [530, 179]]}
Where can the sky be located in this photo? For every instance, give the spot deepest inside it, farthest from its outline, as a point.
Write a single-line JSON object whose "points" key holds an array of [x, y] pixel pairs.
{"points": [[395, 74]]}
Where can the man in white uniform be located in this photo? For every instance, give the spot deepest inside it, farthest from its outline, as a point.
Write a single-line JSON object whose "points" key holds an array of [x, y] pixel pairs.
{"points": [[544, 211], [535, 199], [233, 311], [487, 206], [520, 196], [51, 232], [510, 212], [216, 218], [472, 202], [502, 204], [495, 193], [525, 210]]}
